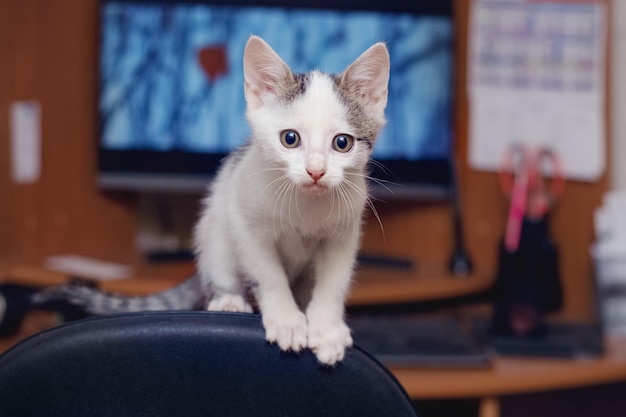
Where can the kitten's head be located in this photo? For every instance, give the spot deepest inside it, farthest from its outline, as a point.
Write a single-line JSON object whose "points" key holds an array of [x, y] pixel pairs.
{"points": [[319, 128]]}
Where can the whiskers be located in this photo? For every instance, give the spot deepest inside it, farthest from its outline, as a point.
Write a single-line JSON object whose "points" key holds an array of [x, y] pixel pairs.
{"points": [[339, 211], [381, 166], [346, 207], [263, 171], [285, 193], [383, 183], [368, 198]]}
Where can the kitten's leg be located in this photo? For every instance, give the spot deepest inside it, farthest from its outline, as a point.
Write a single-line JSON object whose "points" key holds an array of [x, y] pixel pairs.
{"points": [[284, 323], [328, 334], [216, 264], [235, 303], [228, 292]]}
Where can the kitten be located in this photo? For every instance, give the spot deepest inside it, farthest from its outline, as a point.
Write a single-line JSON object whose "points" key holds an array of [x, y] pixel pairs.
{"points": [[281, 224]]}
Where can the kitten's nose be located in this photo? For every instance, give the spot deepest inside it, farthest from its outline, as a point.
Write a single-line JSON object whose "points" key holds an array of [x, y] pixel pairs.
{"points": [[316, 174]]}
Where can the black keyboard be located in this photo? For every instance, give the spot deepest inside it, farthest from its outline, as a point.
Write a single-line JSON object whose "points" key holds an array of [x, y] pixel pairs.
{"points": [[418, 341], [560, 339]]}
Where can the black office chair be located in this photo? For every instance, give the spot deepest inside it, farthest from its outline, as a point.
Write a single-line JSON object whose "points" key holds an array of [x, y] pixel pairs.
{"points": [[186, 364]]}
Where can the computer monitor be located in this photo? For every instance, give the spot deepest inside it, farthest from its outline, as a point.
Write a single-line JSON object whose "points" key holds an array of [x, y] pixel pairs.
{"points": [[171, 102]]}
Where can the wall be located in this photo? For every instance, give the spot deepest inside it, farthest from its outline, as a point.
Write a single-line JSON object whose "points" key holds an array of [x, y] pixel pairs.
{"points": [[48, 54], [4, 149]]}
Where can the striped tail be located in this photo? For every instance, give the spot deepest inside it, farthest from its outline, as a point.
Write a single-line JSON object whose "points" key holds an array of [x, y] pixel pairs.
{"points": [[188, 295]]}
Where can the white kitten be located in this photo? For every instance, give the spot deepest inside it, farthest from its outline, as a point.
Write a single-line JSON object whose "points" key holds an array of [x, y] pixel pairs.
{"points": [[282, 222]]}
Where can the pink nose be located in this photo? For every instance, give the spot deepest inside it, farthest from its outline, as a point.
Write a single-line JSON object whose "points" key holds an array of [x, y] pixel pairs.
{"points": [[316, 175]]}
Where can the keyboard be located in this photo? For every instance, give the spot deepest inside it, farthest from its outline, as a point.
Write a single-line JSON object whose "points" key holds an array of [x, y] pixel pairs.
{"points": [[559, 339], [419, 341]]}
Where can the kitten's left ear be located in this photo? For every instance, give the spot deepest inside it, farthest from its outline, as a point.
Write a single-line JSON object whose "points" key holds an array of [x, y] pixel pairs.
{"points": [[367, 79], [264, 72]]}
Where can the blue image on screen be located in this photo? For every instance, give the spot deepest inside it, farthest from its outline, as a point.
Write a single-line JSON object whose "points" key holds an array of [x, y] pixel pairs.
{"points": [[157, 93]]}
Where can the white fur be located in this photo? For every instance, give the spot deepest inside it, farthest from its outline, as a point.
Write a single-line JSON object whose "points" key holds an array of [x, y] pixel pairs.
{"points": [[269, 227]]}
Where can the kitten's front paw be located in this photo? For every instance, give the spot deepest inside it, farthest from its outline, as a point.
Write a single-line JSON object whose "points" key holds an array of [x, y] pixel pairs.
{"points": [[329, 339], [229, 302], [288, 330]]}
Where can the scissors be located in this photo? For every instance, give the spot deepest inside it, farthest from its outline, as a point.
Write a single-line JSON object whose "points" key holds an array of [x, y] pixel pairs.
{"points": [[522, 179]]}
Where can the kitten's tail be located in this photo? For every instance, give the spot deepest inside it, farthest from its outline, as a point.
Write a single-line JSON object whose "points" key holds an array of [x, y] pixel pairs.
{"points": [[187, 295]]}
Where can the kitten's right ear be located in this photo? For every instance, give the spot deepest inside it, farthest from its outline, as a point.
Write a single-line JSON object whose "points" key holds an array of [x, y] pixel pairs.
{"points": [[263, 71], [367, 79]]}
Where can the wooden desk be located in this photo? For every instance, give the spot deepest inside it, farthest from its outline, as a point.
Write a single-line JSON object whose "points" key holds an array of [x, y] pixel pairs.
{"points": [[368, 289], [511, 375], [507, 375]]}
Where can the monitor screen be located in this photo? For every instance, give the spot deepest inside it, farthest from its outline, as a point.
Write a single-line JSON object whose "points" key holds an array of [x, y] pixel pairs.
{"points": [[171, 101]]}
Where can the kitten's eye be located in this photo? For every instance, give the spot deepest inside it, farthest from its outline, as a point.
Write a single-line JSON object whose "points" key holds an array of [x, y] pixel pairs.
{"points": [[290, 138], [343, 143]]}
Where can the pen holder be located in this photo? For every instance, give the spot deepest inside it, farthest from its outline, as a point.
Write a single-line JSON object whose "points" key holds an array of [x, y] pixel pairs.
{"points": [[528, 282]]}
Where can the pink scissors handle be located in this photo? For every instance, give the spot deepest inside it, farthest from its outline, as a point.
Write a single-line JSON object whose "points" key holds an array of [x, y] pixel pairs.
{"points": [[542, 196], [519, 198], [519, 195]]}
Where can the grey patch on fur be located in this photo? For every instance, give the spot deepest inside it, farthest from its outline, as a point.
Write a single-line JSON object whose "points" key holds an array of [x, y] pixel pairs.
{"points": [[294, 87], [366, 128], [251, 285], [302, 286], [367, 142], [188, 295]]}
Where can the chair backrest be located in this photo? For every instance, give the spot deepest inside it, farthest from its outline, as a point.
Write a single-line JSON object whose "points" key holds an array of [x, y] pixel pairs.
{"points": [[186, 364]]}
